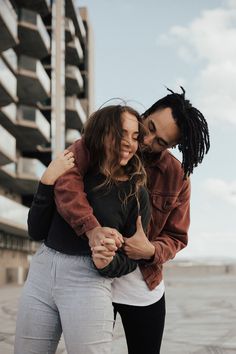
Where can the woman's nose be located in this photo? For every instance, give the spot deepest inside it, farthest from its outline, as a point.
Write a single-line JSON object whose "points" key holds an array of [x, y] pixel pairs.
{"points": [[127, 141]]}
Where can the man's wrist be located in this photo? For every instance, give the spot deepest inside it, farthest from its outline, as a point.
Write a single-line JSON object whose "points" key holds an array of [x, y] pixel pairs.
{"points": [[151, 252], [90, 233]]}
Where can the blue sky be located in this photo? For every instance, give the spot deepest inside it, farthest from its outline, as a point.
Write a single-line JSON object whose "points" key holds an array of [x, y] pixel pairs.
{"points": [[142, 46]]}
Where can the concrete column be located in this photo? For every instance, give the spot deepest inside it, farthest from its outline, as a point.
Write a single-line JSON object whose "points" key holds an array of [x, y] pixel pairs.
{"points": [[58, 77]]}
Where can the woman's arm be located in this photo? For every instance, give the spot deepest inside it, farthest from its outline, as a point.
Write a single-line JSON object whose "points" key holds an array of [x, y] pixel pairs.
{"points": [[40, 213], [43, 206], [70, 197]]}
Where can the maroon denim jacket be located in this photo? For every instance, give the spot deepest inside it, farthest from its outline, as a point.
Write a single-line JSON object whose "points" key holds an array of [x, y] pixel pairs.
{"points": [[170, 200]]}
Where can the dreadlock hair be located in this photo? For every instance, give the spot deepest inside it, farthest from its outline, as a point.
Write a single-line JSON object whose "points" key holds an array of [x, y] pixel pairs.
{"points": [[194, 141]]}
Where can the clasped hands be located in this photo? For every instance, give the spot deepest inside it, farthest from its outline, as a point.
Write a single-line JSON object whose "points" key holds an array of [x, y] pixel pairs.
{"points": [[105, 241]]}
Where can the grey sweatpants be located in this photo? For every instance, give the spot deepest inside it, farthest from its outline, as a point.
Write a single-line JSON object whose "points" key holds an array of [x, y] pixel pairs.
{"points": [[64, 294]]}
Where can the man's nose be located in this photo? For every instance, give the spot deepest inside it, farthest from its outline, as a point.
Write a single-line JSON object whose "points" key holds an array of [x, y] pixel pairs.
{"points": [[148, 139]]}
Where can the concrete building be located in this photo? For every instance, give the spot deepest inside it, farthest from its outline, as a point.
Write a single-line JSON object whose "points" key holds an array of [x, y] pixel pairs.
{"points": [[46, 94]]}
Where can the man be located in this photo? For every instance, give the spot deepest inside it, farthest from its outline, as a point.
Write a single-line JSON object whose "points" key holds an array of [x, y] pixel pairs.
{"points": [[171, 121]]}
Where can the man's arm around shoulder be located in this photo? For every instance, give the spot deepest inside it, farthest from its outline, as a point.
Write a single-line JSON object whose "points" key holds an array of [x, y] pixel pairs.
{"points": [[70, 197]]}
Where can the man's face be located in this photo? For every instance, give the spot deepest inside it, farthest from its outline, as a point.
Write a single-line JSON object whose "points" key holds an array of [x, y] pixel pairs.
{"points": [[162, 131]]}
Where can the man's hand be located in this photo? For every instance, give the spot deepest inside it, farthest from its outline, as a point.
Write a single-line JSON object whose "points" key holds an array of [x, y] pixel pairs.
{"points": [[103, 255], [138, 246], [97, 236]]}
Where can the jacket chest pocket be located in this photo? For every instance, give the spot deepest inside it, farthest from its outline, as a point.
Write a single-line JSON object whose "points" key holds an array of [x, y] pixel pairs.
{"points": [[164, 203]]}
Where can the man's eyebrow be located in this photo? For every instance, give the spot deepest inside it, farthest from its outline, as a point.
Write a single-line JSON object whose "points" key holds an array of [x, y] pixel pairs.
{"points": [[159, 138]]}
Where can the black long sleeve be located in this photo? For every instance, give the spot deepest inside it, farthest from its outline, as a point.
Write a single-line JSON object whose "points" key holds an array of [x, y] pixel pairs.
{"points": [[41, 212], [120, 265]]}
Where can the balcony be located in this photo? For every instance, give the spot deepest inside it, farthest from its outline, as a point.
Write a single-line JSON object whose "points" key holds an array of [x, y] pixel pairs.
{"points": [[8, 26], [73, 13], [33, 128], [74, 52], [7, 147], [8, 177], [7, 85], [28, 173], [33, 81], [33, 35], [75, 116], [71, 136], [10, 59], [74, 80], [8, 116], [85, 104], [69, 29], [27, 124], [22, 177], [30, 168], [13, 217], [40, 6]]}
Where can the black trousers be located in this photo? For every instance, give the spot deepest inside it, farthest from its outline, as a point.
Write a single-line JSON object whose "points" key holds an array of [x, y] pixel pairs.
{"points": [[143, 326]]}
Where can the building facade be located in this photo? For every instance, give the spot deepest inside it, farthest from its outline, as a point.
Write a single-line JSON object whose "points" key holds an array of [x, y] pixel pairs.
{"points": [[46, 94]]}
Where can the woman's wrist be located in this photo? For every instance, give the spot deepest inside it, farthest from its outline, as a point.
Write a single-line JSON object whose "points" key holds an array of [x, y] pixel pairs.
{"points": [[46, 179]]}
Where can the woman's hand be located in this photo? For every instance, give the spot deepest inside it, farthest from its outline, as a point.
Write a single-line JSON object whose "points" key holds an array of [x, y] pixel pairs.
{"points": [[97, 235], [62, 163], [103, 254]]}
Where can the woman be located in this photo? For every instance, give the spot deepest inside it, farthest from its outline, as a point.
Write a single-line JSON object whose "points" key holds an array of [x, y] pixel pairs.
{"points": [[64, 291]]}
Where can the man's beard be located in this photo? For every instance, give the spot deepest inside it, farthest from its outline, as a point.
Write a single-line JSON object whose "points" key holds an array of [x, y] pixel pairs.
{"points": [[149, 157]]}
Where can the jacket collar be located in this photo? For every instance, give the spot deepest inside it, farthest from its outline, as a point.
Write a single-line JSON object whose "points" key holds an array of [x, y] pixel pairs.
{"points": [[159, 160]]}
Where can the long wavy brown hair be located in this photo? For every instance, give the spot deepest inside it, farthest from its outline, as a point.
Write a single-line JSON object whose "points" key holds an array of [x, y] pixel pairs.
{"points": [[108, 121]]}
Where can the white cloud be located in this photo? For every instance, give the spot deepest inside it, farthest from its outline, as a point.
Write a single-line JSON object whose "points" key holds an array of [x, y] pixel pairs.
{"points": [[220, 189], [232, 3], [212, 36], [210, 246], [210, 41]]}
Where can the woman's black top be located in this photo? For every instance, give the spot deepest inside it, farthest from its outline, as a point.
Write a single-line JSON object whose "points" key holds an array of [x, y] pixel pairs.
{"points": [[45, 223]]}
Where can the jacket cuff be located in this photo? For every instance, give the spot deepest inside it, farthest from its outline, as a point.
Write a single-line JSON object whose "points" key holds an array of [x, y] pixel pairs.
{"points": [[85, 225], [153, 260]]}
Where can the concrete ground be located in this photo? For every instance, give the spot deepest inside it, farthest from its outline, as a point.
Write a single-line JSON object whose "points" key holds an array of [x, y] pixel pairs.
{"points": [[201, 312]]}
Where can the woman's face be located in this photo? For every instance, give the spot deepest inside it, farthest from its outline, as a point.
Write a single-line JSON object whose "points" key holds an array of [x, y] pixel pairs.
{"points": [[129, 142]]}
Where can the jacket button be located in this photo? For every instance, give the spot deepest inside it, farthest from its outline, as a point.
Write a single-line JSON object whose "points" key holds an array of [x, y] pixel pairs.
{"points": [[166, 205]]}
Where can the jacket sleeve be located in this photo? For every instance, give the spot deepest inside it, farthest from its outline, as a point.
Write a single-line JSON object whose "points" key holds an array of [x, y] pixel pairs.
{"points": [[40, 213], [122, 264], [174, 235], [70, 198]]}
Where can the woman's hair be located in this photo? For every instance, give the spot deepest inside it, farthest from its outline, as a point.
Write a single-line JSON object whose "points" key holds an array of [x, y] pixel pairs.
{"points": [[105, 122], [194, 141]]}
